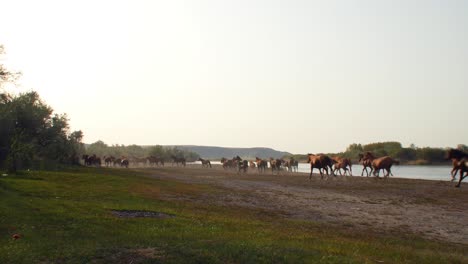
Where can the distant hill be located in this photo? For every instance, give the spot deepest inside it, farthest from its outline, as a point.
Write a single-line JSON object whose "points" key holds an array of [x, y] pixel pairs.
{"points": [[245, 153]]}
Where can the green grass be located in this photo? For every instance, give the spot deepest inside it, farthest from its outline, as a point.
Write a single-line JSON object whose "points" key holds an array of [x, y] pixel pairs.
{"points": [[64, 217]]}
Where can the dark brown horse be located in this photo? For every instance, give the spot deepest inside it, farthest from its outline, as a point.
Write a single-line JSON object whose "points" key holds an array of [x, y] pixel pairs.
{"points": [[205, 163], [461, 163], [124, 163], [91, 160], [155, 161], [118, 162], [109, 160], [178, 160], [261, 164], [320, 162], [242, 165]]}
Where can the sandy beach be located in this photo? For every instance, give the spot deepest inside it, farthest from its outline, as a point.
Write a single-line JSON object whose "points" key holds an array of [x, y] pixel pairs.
{"points": [[432, 209]]}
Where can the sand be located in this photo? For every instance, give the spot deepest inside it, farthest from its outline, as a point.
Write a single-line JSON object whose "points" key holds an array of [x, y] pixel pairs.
{"points": [[432, 209]]}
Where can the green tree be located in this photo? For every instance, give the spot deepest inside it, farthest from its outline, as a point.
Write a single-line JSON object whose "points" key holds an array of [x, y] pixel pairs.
{"points": [[158, 151], [29, 131]]}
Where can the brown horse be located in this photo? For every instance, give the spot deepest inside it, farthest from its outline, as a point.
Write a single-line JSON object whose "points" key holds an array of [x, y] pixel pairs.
{"points": [[261, 164], [139, 161], [178, 160], [366, 161], [109, 160], [155, 161], [117, 161], [320, 162], [384, 163], [205, 163], [228, 164], [461, 163], [342, 163], [275, 164]]}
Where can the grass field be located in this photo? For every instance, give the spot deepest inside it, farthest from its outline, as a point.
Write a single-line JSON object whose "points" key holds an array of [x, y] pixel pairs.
{"points": [[65, 217]]}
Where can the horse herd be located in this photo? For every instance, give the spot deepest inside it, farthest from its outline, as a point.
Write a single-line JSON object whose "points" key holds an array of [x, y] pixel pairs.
{"points": [[276, 165], [325, 164], [111, 161]]}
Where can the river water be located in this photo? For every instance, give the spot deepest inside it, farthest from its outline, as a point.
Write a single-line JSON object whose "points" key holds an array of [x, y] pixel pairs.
{"points": [[438, 173]]}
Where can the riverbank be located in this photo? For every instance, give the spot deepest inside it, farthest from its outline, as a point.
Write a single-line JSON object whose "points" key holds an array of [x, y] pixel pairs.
{"points": [[193, 215]]}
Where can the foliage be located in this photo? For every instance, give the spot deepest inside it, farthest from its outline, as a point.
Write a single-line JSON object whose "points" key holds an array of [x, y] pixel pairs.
{"points": [[410, 155], [393, 149], [30, 134], [101, 149]]}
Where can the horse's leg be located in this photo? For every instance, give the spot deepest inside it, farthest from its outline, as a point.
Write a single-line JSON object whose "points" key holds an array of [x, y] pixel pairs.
{"points": [[321, 174], [454, 173], [311, 170], [461, 178], [350, 170]]}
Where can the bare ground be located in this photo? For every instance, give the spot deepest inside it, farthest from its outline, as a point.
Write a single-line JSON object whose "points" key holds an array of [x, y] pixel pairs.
{"points": [[433, 209]]}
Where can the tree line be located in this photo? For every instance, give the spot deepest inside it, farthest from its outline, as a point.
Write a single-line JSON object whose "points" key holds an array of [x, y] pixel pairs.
{"points": [[410, 155], [31, 134], [101, 149]]}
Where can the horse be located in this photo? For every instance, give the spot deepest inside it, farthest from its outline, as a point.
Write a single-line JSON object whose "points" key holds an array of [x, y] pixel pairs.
{"points": [[275, 164], [366, 161], [261, 164], [242, 165], [320, 162], [252, 165], [461, 163], [109, 160], [178, 160], [228, 164], [342, 163], [124, 163], [139, 161], [91, 160], [294, 164], [286, 164], [85, 159], [205, 163], [118, 162], [155, 161], [383, 163]]}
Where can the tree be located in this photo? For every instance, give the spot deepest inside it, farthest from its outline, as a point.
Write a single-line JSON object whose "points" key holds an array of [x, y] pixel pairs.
{"points": [[29, 131], [158, 151], [462, 147]]}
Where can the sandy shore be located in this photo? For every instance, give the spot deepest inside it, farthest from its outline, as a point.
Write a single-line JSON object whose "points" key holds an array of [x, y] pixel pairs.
{"points": [[432, 209]]}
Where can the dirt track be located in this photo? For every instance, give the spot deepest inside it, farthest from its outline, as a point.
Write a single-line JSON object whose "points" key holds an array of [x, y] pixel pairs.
{"points": [[433, 209]]}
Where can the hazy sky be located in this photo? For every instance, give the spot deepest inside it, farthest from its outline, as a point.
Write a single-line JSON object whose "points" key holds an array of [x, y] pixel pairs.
{"points": [[299, 76]]}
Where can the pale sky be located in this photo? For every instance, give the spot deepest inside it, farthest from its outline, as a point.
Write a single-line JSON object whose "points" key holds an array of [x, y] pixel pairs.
{"points": [[298, 76]]}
